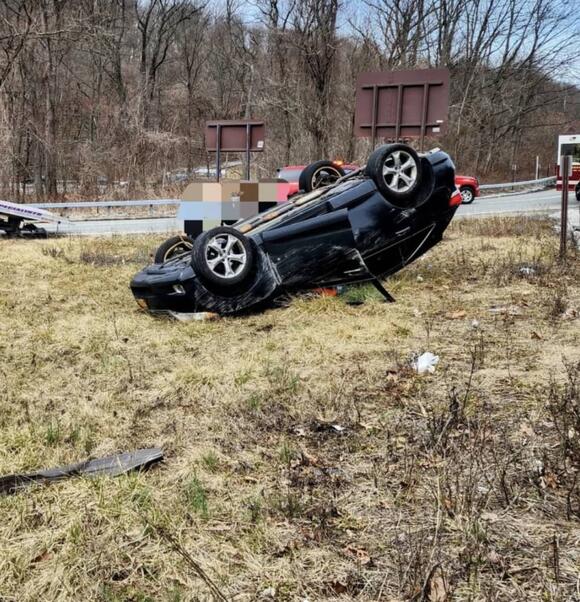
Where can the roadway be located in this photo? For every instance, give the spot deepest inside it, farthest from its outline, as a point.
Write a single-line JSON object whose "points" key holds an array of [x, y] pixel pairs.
{"points": [[546, 201], [153, 225]]}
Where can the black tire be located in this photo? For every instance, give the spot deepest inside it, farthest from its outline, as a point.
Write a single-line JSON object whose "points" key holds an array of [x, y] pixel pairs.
{"points": [[319, 174], [209, 246], [578, 192], [389, 157], [467, 195], [176, 245]]}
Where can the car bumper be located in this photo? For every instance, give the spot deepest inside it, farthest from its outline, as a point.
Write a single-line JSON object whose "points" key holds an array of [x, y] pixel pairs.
{"points": [[164, 287]]}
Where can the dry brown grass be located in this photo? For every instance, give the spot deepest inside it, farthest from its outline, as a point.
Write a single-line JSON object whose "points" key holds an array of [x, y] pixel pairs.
{"points": [[458, 484]]}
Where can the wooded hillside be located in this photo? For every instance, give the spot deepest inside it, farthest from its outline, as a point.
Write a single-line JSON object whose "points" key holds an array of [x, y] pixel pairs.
{"points": [[97, 92]]}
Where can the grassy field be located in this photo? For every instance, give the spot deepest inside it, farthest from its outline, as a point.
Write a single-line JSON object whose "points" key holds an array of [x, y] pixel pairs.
{"points": [[305, 460]]}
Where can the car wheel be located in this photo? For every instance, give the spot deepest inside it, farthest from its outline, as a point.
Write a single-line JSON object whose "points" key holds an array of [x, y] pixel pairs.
{"points": [[396, 171], [222, 256], [467, 195], [578, 192], [319, 174], [172, 247]]}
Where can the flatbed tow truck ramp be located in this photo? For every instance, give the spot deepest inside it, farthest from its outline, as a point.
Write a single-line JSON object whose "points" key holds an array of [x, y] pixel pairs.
{"points": [[18, 220]]}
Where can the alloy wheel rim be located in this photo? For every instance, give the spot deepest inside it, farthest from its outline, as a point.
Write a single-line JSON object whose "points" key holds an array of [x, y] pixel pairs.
{"points": [[225, 256], [400, 171]]}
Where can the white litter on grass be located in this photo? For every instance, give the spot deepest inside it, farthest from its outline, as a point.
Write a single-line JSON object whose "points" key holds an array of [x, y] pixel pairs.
{"points": [[269, 592], [512, 310], [198, 316], [426, 362], [527, 271]]}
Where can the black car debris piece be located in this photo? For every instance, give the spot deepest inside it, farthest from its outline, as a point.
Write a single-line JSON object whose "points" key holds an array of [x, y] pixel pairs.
{"points": [[365, 226], [111, 466]]}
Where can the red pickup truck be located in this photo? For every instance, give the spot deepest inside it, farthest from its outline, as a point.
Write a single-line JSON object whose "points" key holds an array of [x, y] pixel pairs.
{"points": [[298, 177]]}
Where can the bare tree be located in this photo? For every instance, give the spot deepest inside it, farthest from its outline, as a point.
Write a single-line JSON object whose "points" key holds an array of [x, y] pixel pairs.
{"points": [[191, 41], [118, 90], [278, 74], [401, 27], [16, 24], [157, 21], [316, 38]]}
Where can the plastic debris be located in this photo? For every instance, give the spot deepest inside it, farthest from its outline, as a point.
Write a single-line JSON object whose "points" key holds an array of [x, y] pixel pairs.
{"points": [[426, 362], [111, 466]]}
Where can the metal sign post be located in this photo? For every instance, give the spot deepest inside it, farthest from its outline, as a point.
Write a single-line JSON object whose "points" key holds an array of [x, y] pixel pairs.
{"points": [[248, 142], [566, 163], [218, 152]]}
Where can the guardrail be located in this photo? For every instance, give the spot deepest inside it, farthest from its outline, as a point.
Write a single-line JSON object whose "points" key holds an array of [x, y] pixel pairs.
{"points": [[94, 204], [164, 202], [540, 182]]}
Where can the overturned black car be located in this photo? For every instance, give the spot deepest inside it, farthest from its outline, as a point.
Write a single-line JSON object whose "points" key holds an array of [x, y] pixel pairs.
{"points": [[364, 226]]}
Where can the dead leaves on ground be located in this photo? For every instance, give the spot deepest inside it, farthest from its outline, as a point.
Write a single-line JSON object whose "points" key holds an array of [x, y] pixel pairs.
{"points": [[361, 556]]}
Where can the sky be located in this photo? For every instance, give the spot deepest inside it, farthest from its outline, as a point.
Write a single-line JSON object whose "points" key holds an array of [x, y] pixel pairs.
{"points": [[356, 11]]}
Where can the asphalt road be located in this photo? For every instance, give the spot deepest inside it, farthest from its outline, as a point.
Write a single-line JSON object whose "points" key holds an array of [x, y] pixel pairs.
{"points": [[547, 201], [117, 226]]}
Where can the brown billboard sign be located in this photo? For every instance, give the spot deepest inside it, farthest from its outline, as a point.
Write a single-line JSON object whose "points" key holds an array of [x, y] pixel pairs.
{"points": [[246, 136], [235, 136], [402, 104]]}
